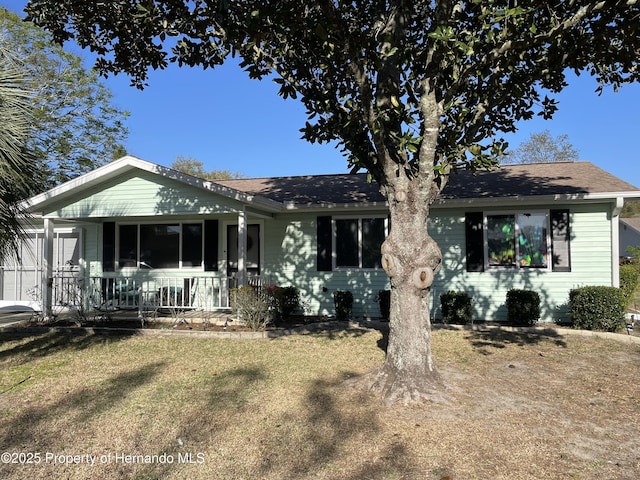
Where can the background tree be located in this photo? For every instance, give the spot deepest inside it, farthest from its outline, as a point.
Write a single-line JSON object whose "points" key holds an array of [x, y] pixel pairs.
{"points": [[17, 181], [76, 126], [631, 208], [410, 91], [196, 168], [542, 148]]}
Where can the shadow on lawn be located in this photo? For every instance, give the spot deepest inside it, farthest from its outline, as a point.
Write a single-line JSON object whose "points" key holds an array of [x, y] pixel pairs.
{"points": [[299, 443], [80, 405], [486, 340], [329, 432], [42, 344], [338, 331]]}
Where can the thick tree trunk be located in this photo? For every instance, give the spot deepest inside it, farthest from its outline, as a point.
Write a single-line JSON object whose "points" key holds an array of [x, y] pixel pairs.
{"points": [[411, 258]]}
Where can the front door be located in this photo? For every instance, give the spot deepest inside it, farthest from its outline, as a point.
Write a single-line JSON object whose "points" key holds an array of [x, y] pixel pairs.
{"points": [[252, 263]]}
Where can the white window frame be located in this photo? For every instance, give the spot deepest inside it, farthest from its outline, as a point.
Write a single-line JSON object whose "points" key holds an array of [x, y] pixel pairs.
{"points": [[515, 214], [180, 266], [334, 238]]}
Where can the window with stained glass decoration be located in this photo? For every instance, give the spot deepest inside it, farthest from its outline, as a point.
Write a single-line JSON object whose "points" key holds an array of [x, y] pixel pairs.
{"points": [[518, 240], [532, 240], [501, 240]]}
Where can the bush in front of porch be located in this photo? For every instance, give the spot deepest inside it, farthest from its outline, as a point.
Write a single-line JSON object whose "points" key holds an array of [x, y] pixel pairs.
{"points": [[252, 306]]}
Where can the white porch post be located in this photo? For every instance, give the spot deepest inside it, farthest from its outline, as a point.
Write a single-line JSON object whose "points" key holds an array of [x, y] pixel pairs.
{"points": [[47, 271], [242, 248]]}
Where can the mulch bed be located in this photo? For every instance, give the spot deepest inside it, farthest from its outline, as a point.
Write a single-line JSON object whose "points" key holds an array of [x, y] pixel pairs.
{"points": [[167, 323]]}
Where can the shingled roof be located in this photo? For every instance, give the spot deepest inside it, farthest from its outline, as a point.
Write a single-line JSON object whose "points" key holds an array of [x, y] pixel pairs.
{"points": [[310, 190], [571, 178]]}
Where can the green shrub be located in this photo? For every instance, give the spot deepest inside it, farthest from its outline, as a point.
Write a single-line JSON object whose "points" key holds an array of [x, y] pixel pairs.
{"points": [[252, 306], [597, 308], [456, 307], [343, 302], [286, 300], [523, 307], [629, 278], [384, 302]]}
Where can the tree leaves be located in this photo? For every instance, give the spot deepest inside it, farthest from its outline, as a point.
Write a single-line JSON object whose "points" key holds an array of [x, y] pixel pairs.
{"points": [[18, 177], [542, 147], [362, 68], [75, 126]]}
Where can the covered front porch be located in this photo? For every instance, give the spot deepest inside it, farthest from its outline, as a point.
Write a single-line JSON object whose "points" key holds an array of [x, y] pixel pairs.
{"points": [[132, 235], [67, 279]]}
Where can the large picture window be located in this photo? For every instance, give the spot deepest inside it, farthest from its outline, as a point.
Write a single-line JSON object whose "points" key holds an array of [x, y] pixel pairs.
{"points": [[520, 240], [358, 241], [169, 245], [517, 240]]}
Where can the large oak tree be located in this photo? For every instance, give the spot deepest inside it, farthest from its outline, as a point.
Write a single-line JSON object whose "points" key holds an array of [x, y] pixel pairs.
{"points": [[411, 90]]}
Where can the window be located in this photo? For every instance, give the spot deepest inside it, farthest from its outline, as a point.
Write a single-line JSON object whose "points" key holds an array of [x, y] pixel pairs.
{"points": [[358, 241], [523, 240], [517, 240], [160, 245], [191, 244]]}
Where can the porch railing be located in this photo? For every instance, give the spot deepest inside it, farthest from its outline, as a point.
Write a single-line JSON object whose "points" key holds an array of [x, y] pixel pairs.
{"points": [[130, 292], [145, 291]]}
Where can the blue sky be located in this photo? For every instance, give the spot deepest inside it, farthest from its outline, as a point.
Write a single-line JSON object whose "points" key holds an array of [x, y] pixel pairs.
{"points": [[229, 122]]}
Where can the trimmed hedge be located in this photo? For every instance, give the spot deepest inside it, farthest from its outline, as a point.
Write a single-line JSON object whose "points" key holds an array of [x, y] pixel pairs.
{"points": [[287, 300], [629, 278], [343, 301], [456, 307], [523, 307], [384, 301], [597, 308]]}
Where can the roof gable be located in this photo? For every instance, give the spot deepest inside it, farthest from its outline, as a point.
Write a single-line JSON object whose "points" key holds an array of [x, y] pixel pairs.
{"points": [[138, 193], [107, 176], [632, 222]]}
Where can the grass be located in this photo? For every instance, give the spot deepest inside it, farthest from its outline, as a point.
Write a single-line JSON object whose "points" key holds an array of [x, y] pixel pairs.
{"points": [[523, 406]]}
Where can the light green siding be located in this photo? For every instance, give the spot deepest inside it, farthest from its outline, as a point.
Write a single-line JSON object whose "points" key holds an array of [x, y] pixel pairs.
{"points": [[290, 247], [138, 194], [290, 259], [591, 264]]}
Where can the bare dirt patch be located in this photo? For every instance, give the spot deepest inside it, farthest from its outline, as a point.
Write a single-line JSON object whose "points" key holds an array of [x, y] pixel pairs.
{"points": [[524, 406]]}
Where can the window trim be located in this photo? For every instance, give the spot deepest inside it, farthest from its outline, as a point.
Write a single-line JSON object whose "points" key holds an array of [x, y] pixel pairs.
{"points": [[334, 238], [515, 214], [180, 266]]}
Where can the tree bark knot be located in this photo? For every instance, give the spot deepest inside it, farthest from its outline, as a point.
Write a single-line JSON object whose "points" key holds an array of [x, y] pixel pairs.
{"points": [[416, 266]]}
